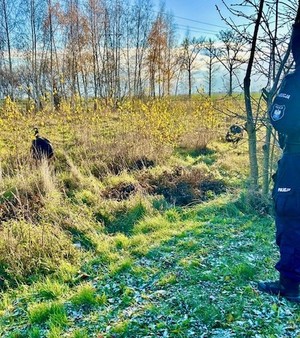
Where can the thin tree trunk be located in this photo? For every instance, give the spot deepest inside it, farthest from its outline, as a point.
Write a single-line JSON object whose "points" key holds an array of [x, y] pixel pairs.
{"points": [[267, 145], [11, 89], [251, 124], [52, 82], [190, 81], [36, 92], [210, 77]]}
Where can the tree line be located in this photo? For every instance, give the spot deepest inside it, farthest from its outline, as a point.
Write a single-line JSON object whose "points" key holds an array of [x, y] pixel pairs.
{"points": [[106, 49]]}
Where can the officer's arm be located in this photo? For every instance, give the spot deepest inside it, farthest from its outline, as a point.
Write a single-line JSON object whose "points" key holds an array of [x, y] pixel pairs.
{"points": [[296, 39], [297, 20]]}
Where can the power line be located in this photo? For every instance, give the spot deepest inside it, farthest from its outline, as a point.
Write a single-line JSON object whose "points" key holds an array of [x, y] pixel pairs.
{"points": [[192, 20], [201, 22], [192, 31], [200, 30]]}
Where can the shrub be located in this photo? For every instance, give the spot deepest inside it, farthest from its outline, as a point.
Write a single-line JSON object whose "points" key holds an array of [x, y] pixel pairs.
{"points": [[254, 202]]}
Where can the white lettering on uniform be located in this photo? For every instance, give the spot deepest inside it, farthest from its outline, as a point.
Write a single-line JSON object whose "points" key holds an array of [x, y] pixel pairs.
{"points": [[285, 96], [284, 189]]}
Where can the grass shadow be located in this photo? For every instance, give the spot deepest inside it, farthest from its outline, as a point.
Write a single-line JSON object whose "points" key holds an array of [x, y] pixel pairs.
{"points": [[204, 270], [121, 221], [184, 152]]}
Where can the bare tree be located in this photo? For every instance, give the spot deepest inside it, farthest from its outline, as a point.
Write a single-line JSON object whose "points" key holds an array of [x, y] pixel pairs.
{"points": [[30, 45], [6, 34], [267, 58], [95, 14], [275, 69], [51, 63], [2, 58], [169, 59], [34, 53], [191, 48], [274, 49], [211, 52], [110, 49], [231, 54], [76, 36], [116, 35], [72, 25], [141, 19]]}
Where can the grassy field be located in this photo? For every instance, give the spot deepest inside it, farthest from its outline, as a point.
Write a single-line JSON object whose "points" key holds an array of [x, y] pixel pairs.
{"points": [[141, 227]]}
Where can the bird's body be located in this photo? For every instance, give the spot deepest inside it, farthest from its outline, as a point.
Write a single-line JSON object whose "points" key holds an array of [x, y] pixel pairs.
{"points": [[234, 134], [41, 148]]}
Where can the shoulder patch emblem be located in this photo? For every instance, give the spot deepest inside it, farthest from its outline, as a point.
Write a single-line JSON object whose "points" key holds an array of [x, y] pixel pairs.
{"points": [[277, 112]]}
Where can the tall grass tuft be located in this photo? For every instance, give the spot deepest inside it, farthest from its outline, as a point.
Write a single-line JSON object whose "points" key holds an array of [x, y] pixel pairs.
{"points": [[27, 248], [45, 312], [87, 297]]}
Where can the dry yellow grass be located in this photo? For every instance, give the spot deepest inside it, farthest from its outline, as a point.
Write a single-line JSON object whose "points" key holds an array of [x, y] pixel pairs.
{"points": [[49, 210]]}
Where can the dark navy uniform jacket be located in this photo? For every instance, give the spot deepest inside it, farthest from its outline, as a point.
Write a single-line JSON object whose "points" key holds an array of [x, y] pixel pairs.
{"points": [[296, 44], [292, 142], [286, 192]]}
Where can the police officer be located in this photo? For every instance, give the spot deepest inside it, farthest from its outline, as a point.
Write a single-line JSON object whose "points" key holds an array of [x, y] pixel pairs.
{"points": [[286, 196]]}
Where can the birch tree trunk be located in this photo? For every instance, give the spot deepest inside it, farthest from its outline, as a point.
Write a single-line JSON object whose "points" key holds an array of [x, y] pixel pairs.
{"points": [[34, 58], [8, 43]]}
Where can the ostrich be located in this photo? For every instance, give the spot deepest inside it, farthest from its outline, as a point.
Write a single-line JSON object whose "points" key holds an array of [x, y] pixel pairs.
{"points": [[234, 134], [41, 148]]}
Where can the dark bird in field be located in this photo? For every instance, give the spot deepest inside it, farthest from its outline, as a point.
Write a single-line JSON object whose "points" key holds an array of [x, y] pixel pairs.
{"points": [[234, 134], [41, 148]]}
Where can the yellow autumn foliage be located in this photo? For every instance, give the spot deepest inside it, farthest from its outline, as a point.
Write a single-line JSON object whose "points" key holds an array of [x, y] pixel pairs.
{"points": [[129, 129]]}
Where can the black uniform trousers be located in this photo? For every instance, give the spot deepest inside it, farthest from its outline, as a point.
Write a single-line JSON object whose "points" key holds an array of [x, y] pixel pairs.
{"points": [[286, 195]]}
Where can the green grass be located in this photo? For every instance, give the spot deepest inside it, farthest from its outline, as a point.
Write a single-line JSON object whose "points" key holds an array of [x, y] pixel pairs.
{"points": [[197, 274], [87, 297], [50, 289], [53, 313], [142, 265], [80, 333]]}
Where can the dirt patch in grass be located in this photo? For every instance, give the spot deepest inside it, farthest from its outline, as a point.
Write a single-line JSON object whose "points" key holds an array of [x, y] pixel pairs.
{"points": [[180, 186], [183, 186], [121, 191]]}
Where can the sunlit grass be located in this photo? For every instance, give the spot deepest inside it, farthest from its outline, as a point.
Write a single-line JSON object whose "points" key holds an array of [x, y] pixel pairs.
{"points": [[85, 296], [49, 289], [194, 264], [53, 313], [116, 232]]}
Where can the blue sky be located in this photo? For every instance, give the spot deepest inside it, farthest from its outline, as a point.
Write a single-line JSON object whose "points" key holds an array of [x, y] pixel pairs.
{"points": [[203, 20], [200, 16]]}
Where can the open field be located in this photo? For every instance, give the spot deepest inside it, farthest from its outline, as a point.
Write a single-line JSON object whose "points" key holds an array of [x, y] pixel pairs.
{"points": [[140, 227]]}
